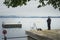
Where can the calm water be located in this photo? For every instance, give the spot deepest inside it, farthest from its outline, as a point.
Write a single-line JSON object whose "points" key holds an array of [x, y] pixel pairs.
{"points": [[27, 23]]}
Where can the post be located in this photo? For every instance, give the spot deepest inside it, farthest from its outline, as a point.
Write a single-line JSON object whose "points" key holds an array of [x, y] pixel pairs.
{"points": [[5, 38], [4, 32]]}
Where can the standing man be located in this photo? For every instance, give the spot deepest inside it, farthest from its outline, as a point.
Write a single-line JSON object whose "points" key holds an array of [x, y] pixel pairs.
{"points": [[48, 23]]}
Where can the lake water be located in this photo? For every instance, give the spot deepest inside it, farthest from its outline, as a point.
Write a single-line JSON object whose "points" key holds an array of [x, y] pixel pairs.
{"points": [[27, 24]]}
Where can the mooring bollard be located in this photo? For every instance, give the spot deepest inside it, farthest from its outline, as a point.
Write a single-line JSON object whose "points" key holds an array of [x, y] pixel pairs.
{"points": [[4, 32]]}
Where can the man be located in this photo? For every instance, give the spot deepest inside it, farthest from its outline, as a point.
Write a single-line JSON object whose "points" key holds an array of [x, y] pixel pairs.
{"points": [[48, 23]]}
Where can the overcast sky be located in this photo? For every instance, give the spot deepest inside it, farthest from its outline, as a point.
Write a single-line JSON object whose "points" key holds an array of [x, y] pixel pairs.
{"points": [[29, 10]]}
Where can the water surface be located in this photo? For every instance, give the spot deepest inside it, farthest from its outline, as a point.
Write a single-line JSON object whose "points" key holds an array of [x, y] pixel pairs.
{"points": [[27, 24]]}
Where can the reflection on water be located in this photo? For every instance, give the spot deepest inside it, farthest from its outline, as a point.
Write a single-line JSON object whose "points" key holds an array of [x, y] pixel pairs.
{"points": [[27, 23]]}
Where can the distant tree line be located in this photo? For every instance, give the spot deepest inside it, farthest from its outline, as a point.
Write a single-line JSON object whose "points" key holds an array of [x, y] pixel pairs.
{"points": [[14, 16]]}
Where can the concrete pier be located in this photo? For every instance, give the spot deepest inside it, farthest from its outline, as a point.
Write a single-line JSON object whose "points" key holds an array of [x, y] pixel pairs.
{"points": [[43, 35]]}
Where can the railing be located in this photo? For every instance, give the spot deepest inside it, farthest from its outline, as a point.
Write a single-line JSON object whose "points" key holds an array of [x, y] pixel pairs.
{"points": [[5, 38]]}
